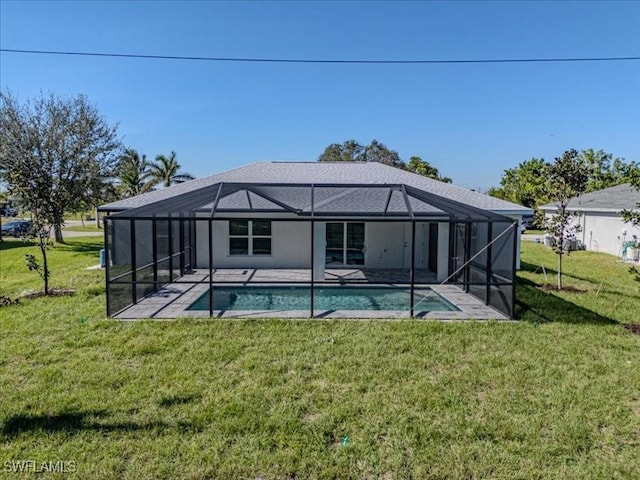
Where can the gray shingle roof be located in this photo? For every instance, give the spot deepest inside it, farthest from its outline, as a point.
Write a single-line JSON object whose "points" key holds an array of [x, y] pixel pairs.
{"points": [[612, 199], [325, 173]]}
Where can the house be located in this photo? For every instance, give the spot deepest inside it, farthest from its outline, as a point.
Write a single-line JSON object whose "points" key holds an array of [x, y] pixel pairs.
{"points": [[315, 223], [598, 215]]}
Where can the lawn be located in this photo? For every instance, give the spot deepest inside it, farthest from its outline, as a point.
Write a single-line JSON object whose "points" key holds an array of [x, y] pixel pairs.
{"points": [[556, 395], [88, 227]]}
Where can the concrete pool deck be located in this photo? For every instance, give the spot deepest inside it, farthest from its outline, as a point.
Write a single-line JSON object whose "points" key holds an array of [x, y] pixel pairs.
{"points": [[173, 300]]}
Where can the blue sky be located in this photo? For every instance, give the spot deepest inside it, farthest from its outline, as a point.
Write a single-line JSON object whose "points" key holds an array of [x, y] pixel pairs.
{"points": [[470, 120]]}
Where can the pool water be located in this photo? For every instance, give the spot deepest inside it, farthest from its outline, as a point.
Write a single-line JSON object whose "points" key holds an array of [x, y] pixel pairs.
{"points": [[325, 298]]}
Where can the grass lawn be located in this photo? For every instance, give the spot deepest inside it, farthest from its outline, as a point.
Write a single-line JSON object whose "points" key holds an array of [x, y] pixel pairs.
{"points": [[88, 227], [556, 395]]}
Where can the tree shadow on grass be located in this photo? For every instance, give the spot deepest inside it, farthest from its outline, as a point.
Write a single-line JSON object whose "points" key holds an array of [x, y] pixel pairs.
{"points": [[553, 272], [172, 400], [90, 247], [14, 243], [79, 421], [552, 275], [536, 305]]}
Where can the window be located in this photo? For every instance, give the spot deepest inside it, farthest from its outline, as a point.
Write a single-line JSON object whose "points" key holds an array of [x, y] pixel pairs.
{"points": [[345, 243], [249, 237]]}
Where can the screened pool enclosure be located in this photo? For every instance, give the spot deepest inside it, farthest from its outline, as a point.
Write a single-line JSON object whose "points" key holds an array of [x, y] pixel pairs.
{"points": [[315, 236]]}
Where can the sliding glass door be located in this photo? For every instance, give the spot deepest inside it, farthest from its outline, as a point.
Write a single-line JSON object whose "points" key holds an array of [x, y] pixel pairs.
{"points": [[345, 243]]}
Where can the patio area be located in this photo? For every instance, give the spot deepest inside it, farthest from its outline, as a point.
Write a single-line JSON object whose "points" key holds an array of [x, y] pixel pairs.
{"points": [[331, 275], [173, 300]]}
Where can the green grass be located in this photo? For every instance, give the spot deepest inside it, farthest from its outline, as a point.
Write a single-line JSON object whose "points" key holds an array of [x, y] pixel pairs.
{"points": [[88, 227], [68, 266], [606, 292], [553, 396]]}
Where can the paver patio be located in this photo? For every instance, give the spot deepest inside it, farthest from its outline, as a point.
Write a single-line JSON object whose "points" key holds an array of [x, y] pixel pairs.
{"points": [[173, 300]]}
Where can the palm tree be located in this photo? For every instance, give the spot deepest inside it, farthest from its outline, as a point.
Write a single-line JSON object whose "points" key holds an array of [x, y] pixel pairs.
{"points": [[166, 170], [133, 173]]}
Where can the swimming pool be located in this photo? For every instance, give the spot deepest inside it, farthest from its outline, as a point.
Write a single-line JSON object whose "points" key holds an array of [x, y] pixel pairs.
{"points": [[265, 298]]}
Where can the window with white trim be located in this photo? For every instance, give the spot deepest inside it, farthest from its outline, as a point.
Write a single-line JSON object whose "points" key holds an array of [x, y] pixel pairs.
{"points": [[249, 237]]}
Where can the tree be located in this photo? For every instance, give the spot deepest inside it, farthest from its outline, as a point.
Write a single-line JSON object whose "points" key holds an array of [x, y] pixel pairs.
{"points": [[424, 168], [633, 176], [56, 153], [134, 174], [567, 177], [348, 151], [378, 152], [604, 170], [497, 192], [633, 216], [41, 232], [352, 151], [166, 170], [524, 184]]}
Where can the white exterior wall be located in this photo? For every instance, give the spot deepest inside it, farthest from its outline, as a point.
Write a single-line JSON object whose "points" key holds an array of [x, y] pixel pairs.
{"points": [[603, 232], [384, 244], [387, 245], [290, 247]]}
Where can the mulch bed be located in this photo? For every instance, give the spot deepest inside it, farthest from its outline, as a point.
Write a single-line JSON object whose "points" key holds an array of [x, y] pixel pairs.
{"points": [[53, 292], [6, 301], [633, 327]]}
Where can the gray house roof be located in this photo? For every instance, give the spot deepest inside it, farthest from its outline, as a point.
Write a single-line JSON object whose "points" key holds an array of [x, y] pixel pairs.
{"points": [[339, 173], [612, 199]]}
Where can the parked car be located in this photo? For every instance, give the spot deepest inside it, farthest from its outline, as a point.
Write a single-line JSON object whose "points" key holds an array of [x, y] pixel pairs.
{"points": [[8, 212], [16, 228], [526, 224]]}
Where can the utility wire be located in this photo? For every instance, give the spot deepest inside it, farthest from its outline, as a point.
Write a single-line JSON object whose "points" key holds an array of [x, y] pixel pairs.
{"points": [[303, 60]]}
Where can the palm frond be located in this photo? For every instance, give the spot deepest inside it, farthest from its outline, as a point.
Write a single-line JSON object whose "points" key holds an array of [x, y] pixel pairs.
{"points": [[166, 170]]}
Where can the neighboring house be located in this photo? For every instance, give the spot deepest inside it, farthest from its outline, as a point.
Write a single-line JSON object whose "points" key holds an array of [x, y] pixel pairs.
{"points": [[601, 226], [317, 216]]}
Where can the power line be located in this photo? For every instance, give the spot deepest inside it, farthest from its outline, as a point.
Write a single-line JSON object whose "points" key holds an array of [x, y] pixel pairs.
{"points": [[335, 61]]}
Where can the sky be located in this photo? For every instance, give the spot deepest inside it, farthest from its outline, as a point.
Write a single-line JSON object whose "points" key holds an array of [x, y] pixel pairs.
{"points": [[471, 121]]}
